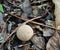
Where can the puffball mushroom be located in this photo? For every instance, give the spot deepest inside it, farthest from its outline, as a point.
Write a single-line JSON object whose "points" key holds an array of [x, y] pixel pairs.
{"points": [[24, 33], [57, 13]]}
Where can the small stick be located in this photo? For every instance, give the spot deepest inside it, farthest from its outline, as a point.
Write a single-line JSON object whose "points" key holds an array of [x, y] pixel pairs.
{"points": [[34, 22]]}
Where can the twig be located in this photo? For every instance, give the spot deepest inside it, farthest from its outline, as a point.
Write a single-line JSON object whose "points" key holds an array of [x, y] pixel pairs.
{"points": [[34, 22], [9, 37]]}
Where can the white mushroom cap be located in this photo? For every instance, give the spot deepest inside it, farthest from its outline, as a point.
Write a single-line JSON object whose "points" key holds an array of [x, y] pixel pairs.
{"points": [[25, 33]]}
